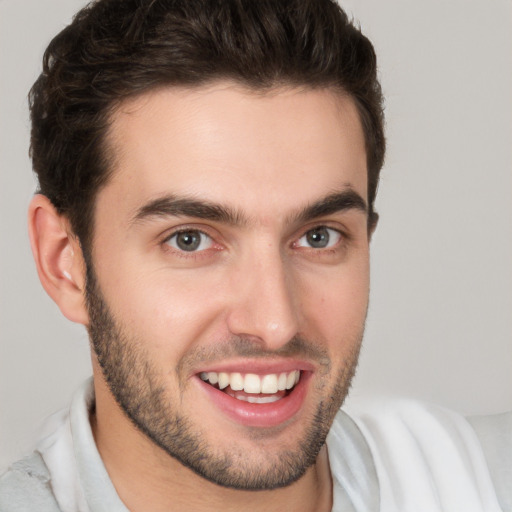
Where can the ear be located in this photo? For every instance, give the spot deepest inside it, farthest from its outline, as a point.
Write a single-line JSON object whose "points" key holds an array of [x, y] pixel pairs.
{"points": [[372, 224], [58, 257]]}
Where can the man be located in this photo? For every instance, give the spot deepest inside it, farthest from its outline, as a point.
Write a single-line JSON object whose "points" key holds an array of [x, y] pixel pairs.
{"points": [[208, 172]]}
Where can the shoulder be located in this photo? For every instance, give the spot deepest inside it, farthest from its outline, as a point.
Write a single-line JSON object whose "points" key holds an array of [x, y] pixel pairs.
{"points": [[25, 487], [495, 435], [30, 484], [428, 454]]}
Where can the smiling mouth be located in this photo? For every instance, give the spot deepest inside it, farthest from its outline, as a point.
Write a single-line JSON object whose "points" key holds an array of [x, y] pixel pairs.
{"points": [[253, 388]]}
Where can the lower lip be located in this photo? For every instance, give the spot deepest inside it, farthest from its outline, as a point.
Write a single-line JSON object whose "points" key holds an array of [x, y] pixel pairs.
{"points": [[260, 415]]}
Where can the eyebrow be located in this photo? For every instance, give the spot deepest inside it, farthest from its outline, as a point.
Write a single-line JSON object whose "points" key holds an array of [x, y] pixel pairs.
{"points": [[336, 202], [173, 206]]}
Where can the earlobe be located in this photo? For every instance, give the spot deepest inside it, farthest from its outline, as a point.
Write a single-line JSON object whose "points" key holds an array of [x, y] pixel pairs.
{"points": [[58, 257]]}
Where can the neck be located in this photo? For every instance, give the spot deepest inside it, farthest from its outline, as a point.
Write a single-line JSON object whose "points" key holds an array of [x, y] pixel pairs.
{"points": [[148, 479]]}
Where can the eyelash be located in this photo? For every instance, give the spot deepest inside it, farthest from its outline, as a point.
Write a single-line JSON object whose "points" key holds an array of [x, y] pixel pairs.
{"points": [[322, 250], [188, 254], [344, 238]]}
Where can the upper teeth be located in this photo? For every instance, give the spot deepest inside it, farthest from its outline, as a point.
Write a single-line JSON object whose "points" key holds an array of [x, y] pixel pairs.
{"points": [[252, 383]]}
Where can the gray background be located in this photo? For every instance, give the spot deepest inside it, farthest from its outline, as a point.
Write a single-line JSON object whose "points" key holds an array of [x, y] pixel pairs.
{"points": [[439, 326]]}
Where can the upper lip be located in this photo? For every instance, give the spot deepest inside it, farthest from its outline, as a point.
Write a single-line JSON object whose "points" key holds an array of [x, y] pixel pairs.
{"points": [[257, 366]]}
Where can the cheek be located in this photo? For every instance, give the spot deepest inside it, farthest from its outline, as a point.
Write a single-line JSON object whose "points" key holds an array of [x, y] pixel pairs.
{"points": [[335, 308], [169, 312]]}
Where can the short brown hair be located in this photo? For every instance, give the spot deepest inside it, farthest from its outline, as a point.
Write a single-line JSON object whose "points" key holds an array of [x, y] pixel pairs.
{"points": [[114, 49]]}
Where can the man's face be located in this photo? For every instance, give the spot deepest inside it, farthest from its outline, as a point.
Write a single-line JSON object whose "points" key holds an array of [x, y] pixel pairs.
{"points": [[230, 251]]}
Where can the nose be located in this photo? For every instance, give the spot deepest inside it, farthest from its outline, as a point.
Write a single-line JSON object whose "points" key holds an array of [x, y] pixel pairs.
{"points": [[263, 303]]}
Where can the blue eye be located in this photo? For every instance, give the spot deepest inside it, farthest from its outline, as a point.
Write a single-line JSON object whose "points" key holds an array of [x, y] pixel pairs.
{"points": [[190, 240], [320, 238]]}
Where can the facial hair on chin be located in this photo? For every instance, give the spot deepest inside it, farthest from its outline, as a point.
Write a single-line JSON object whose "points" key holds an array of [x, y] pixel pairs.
{"points": [[142, 395]]}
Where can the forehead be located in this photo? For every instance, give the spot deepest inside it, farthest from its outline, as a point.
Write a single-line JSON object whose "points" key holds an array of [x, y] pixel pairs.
{"points": [[257, 152]]}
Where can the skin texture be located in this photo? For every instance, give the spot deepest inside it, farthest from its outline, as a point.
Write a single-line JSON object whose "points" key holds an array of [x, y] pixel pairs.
{"points": [[255, 293]]}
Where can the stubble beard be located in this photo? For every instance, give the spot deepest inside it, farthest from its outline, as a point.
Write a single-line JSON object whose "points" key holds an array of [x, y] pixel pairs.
{"points": [[141, 394]]}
